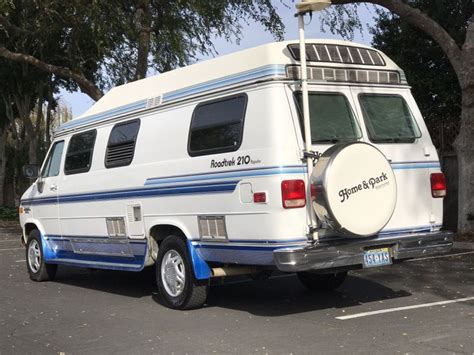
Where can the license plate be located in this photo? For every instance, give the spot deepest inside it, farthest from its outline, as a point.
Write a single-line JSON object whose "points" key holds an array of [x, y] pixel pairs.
{"points": [[377, 257]]}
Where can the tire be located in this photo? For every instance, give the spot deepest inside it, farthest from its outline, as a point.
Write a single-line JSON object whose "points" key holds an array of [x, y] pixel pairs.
{"points": [[37, 268], [177, 286], [322, 282]]}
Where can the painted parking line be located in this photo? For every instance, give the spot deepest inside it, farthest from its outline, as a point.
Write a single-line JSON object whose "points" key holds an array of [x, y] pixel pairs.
{"points": [[398, 309], [441, 256], [12, 249], [20, 261]]}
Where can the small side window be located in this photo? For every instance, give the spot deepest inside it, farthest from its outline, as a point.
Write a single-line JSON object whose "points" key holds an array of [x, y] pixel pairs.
{"points": [[53, 162], [217, 126], [121, 145], [79, 153]]}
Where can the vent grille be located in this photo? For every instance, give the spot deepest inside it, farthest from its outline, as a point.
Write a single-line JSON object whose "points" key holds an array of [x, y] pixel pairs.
{"points": [[212, 228], [154, 101], [115, 226], [348, 75], [332, 53], [120, 154]]}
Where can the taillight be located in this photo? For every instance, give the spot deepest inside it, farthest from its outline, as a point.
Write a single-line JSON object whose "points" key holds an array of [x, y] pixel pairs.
{"points": [[260, 197], [293, 193], [438, 185]]}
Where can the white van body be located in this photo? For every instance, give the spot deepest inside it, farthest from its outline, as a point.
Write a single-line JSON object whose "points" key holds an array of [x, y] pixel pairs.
{"points": [[227, 202]]}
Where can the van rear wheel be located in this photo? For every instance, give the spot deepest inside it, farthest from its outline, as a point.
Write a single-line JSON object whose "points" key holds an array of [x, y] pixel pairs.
{"points": [[177, 285], [37, 268], [322, 282]]}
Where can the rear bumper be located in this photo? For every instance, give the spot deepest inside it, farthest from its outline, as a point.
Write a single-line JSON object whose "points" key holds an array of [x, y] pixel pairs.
{"points": [[349, 252]]}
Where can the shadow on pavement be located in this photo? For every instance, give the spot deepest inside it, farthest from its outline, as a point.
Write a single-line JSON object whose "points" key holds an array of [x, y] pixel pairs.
{"points": [[272, 298]]}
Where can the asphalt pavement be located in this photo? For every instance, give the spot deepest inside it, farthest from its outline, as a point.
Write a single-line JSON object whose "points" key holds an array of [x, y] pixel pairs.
{"points": [[418, 307]]}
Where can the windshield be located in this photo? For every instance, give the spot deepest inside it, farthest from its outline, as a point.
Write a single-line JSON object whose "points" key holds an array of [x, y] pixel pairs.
{"points": [[332, 119], [388, 119]]}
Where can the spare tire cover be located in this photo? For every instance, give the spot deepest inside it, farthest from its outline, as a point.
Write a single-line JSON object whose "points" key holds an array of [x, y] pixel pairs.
{"points": [[356, 191]]}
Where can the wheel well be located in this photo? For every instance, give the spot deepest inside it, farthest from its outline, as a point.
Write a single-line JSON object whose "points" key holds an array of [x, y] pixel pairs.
{"points": [[28, 228], [160, 232]]}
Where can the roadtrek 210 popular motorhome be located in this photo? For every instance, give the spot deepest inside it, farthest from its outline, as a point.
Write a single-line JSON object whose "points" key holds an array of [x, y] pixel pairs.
{"points": [[200, 171]]}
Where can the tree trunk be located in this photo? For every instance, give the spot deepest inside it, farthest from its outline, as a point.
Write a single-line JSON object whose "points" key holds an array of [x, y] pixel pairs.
{"points": [[464, 141], [3, 162], [143, 24], [465, 153]]}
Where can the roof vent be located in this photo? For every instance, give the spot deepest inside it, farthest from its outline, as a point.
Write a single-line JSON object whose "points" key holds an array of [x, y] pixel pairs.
{"points": [[332, 53]]}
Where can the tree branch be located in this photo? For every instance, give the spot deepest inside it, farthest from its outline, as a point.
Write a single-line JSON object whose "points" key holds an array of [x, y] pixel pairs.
{"points": [[421, 21], [84, 84]]}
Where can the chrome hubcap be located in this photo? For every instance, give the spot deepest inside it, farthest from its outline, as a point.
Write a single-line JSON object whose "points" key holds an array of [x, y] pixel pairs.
{"points": [[172, 273], [34, 256]]}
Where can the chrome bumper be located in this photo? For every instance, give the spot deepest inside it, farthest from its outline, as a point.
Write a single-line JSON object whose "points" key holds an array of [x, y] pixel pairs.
{"points": [[346, 252]]}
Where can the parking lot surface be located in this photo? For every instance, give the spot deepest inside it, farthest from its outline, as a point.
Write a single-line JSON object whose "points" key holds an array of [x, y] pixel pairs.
{"points": [[422, 306]]}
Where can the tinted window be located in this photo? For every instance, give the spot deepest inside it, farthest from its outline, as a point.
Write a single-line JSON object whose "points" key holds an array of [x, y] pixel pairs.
{"points": [[53, 162], [121, 145], [388, 119], [331, 116], [217, 126], [79, 153]]}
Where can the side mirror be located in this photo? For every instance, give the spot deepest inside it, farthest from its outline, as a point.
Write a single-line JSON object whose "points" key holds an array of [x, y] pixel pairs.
{"points": [[30, 171]]}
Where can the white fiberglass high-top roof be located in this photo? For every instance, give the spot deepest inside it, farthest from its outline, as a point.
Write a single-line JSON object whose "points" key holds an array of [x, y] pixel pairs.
{"points": [[251, 64]]}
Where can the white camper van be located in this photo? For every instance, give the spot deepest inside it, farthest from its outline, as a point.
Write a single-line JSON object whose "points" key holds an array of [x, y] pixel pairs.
{"points": [[201, 172]]}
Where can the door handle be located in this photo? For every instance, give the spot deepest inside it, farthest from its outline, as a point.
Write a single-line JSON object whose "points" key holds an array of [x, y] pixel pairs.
{"points": [[53, 187]]}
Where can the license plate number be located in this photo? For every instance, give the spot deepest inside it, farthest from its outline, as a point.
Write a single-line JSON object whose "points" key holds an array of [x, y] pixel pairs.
{"points": [[377, 257]]}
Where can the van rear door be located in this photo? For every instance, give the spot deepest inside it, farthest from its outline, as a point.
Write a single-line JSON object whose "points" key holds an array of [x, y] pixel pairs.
{"points": [[393, 123]]}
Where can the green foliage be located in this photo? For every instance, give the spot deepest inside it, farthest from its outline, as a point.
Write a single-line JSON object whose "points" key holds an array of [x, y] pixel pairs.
{"points": [[8, 213], [428, 70]]}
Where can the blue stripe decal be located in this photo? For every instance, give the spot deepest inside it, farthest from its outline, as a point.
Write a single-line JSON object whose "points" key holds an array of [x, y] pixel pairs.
{"points": [[274, 70], [159, 186], [227, 186], [410, 166], [268, 70], [265, 171], [134, 106]]}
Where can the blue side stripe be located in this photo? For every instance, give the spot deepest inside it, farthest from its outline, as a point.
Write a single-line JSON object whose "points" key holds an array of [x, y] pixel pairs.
{"points": [[408, 166], [265, 71], [266, 171], [227, 186], [268, 70], [134, 106]]}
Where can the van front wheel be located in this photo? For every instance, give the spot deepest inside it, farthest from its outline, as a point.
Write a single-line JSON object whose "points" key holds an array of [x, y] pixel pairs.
{"points": [[37, 268], [177, 285], [321, 282]]}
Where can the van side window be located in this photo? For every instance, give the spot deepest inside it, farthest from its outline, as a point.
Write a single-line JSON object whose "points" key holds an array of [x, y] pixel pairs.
{"points": [[79, 153], [217, 126], [53, 162], [121, 145], [388, 119]]}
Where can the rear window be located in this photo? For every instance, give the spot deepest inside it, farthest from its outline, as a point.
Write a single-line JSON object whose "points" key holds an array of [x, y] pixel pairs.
{"points": [[217, 126], [388, 119], [79, 153], [332, 119]]}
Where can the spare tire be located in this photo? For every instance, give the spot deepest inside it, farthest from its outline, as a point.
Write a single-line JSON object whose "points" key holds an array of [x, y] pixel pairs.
{"points": [[356, 191]]}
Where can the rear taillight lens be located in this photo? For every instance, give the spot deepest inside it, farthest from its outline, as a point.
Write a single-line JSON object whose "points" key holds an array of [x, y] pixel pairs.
{"points": [[438, 185], [293, 193]]}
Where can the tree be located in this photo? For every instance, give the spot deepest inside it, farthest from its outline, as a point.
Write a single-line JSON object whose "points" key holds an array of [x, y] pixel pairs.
{"points": [[460, 53], [93, 45], [429, 72]]}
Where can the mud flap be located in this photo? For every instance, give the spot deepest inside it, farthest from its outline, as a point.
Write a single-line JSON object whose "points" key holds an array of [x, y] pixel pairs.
{"points": [[200, 267]]}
